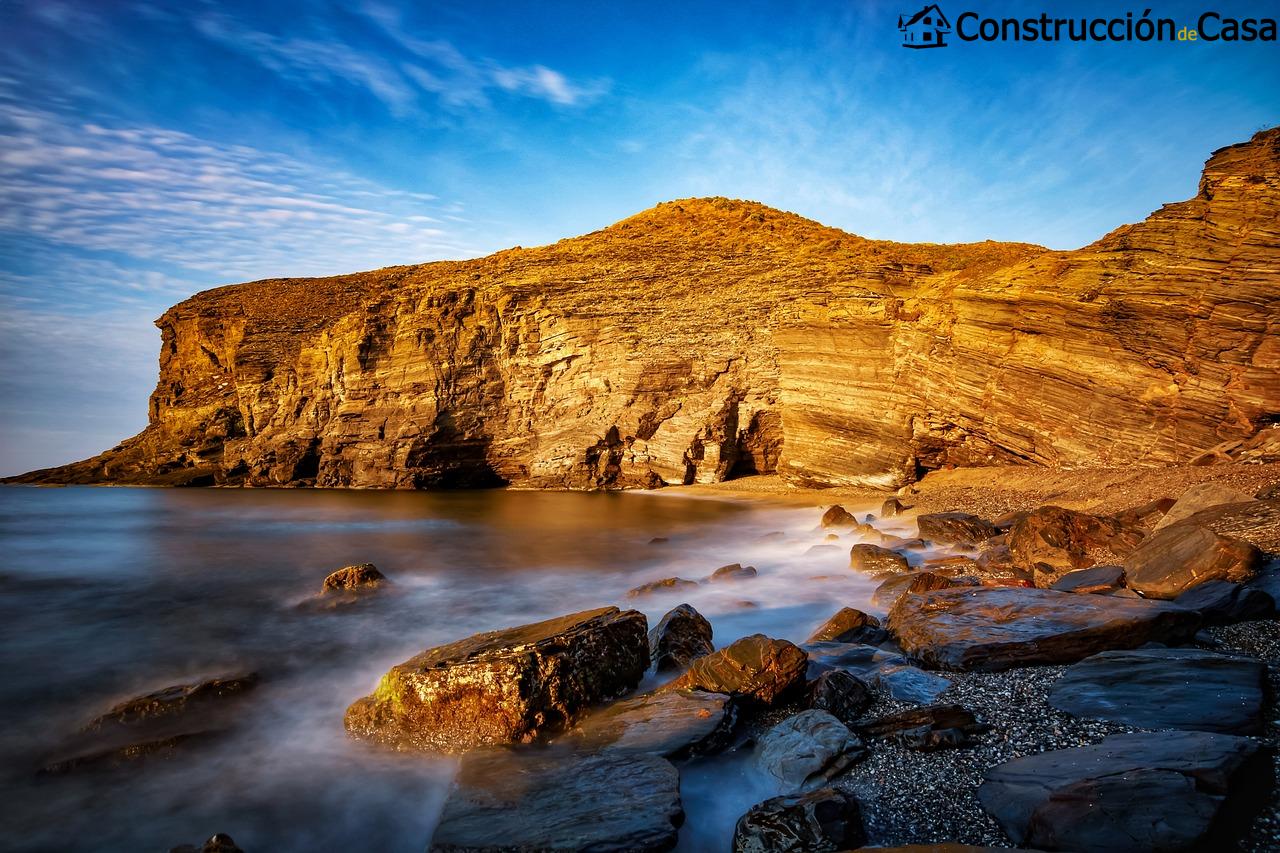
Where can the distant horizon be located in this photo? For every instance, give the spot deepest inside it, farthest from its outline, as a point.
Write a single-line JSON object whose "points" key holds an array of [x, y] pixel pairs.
{"points": [[148, 154]]}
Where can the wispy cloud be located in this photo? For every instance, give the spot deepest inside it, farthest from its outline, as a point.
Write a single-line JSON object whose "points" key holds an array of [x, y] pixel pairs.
{"points": [[162, 197]]}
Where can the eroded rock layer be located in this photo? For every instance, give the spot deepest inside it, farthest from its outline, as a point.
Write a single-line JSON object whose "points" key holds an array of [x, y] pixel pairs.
{"points": [[705, 338]]}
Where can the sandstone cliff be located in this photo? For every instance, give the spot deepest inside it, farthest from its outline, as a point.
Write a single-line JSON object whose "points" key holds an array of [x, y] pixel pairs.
{"points": [[707, 338]]}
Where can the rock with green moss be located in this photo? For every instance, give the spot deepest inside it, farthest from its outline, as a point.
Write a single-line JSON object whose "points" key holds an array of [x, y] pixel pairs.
{"points": [[509, 686]]}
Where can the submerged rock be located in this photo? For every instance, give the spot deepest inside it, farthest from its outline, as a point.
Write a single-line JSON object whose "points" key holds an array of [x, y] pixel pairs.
{"points": [[823, 820], [675, 724], [882, 670], [1166, 689], [850, 626], [892, 507], [1180, 556], [955, 528], [808, 749], [757, 669], [873, 558], [505, 686], [1132, 792], [364, 576], [682, 636], [517, 801], [664, 585], [220, 843], [838, 516], [733, 572], [995, 628], [176, 700]]}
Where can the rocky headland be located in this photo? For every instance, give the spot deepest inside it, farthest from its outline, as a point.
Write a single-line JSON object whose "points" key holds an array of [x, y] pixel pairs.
{"points": [[705, 339]]}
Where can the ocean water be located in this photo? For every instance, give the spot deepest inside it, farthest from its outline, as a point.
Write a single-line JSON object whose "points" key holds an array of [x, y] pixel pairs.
{"points": [[106, 593]]}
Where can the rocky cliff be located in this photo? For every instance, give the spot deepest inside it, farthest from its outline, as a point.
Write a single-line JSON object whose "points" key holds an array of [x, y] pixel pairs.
{"points": [[707, 338]]}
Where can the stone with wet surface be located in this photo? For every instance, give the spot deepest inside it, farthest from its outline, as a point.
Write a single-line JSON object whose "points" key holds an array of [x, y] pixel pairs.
{"points": [[1177, 558], [807, 749], [505, 686], [682, 636], [756, 669], [825, 819], [1189, 689], [675, 724], [996, 628], [515, 801]]}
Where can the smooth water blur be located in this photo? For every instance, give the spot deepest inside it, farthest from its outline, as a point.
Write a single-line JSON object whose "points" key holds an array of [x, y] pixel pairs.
{"points": [[108, 593]]}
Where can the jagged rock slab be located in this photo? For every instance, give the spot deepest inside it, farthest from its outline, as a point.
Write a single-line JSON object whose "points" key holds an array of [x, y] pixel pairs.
{"points": [[520, 801], [682, 636], [882, 670], [995, 628], [1132, 793], [1177, 558], [609, 360], [505, 686], [807, 749], [1188, 689], [756, 669], [1201, 497], [955, 528], [674, 724], [821, 820]]}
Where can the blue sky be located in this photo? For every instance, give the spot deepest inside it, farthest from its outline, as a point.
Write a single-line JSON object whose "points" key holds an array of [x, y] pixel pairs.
{"points": [[149, 150]]}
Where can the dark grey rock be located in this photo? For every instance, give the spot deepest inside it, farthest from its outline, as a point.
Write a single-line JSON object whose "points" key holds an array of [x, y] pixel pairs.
{"points": [[682, 636], [840, 693], [823, 820], [883, 670], [1223, 602], [1166, 689], [807, 749], [516, 801], [1160, 791]]}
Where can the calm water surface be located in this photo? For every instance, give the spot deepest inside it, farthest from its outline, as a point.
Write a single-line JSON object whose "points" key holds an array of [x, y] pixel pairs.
{"points": [[107, 593]]}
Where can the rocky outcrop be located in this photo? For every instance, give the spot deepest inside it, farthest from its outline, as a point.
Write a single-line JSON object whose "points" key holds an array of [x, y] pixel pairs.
{"points": [[506, 686], [995, 628], [1133, 792], [757, 670], [514, 802], [708, 337], [1166, 689]]}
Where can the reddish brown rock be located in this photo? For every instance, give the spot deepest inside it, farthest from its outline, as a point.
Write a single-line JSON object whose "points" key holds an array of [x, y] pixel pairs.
{"points": [[1201, 497], [995, 628], [1051, 541], [505, 686], [873, 559], [664, 585], [733, 572], [1175, 559], [947, 528], [756, 669], [892, 590], [838, 516], [354, 578], [848, 626]]}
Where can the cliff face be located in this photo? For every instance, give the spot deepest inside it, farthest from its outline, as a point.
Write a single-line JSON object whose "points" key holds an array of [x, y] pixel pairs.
{"points": [[706, 338]]}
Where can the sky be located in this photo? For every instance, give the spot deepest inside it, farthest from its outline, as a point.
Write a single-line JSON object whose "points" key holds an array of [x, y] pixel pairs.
{"points": [[150, 150]]}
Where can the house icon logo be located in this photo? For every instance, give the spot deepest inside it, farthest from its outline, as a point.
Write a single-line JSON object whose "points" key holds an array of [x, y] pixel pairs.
{"points": [[926, 28]]}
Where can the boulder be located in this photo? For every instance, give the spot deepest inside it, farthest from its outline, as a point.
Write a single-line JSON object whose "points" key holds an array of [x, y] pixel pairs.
{"points": [[806, 750], [1173, 560], [756, 669], [892, 590], [732, 572], [838, 516], [507, 801], [675, 724], [1201, 497], [873, 559], [361, 577], [1051, 541], [850, 626], [664, 585], [682, 636], [893, 507], [926, 729], [1256, 522], [823, 820], [505, 686], [840, 693], [1166, 689], [1099, 580], [996, 628], [1161, 791], [879, 669], [949, 528], [1223, 602]]}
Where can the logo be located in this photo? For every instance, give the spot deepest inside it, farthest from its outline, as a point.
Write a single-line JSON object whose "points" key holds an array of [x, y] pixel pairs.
{"points": [[926, 28]]}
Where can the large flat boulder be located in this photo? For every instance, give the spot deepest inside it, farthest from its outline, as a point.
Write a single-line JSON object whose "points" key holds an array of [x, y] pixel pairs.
{"points": [[806, 750], [508, 801], [1173, 560], [995, 628], [1189, 689], [756, 669], [505, 686], [1223, 602], [1162, 791], [674, 724], [1201, 497], [1256, 522]]}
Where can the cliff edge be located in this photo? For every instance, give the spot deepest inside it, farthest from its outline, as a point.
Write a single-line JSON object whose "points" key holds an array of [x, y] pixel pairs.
{"points": [[707, 338]]}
